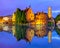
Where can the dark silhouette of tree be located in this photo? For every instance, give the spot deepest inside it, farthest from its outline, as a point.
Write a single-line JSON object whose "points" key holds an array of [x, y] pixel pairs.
{"points": [[20, 16], [20, 32]]}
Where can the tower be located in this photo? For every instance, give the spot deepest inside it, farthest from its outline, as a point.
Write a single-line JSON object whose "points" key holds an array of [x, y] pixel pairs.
{"points": [[49, 12], [29, 14]]}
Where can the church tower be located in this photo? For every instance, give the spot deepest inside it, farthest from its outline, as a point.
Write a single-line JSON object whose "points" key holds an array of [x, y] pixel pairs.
{"points": [[29, 14], [49, 12]]}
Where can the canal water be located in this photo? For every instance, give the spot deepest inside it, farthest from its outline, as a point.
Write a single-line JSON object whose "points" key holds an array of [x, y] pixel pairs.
{"points": [[28, 37]]}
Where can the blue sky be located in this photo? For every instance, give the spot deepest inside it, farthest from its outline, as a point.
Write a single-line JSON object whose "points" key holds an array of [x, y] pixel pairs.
{"points": [[7, 7]]}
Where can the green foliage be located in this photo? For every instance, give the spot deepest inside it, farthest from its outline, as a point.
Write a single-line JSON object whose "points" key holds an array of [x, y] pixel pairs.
{"points": [[23, 18], [57, 30], [20, 32], [20, 16], [50, 23], [57, 18]]}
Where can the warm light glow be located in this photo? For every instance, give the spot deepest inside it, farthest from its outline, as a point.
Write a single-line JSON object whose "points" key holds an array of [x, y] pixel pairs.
{"points": [[29, 34], [13, 30], [49, 12], [29, 15], [5, 28], [5, 18], [39, 22], [13, 17], [1, 20]]}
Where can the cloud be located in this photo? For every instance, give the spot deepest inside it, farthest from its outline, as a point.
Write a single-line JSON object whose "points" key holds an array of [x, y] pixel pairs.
{"points": [[56, 11]]}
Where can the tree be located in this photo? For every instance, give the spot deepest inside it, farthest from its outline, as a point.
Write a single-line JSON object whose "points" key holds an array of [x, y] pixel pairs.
{"points": [[20, 32], [57, 18], [23, 17], [56, 27], [57, 30], [20, 16]]}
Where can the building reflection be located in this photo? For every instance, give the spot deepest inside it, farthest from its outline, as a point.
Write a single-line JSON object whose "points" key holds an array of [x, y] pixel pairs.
{"points": [[22, 32], [41, 33], [6, 28], [1, 28], [13, 30], [57, 28], [27, 32], [19, 31]]}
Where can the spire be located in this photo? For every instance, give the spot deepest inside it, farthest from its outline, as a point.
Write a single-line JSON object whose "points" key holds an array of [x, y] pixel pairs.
{"points": [[49, 12]]}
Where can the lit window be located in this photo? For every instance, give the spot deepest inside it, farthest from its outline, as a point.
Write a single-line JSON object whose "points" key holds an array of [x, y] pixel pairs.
{"points": [[5, 18]]}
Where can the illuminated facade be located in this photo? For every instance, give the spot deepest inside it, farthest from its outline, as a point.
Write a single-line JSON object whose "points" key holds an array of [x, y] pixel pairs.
{"points": [[41, 18], [5, 19], [1, 20], [29, 14], [29, 34], [13, 18]]}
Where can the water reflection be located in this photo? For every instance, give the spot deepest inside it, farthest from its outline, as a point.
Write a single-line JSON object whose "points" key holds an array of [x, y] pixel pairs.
{"points": [[27, 32], [41, 30], [6, 28], [19, 31], [57, 28]]}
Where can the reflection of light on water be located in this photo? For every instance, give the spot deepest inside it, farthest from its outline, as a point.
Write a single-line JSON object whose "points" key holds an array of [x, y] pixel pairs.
{"points": [[58, 24], [13, 30], [39, 30], [38, 26], [29, 34], [49, 36], [6, 28]]}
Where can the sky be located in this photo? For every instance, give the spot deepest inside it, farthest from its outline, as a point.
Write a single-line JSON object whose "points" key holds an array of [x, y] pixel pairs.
{"points": [[7, 7]]}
